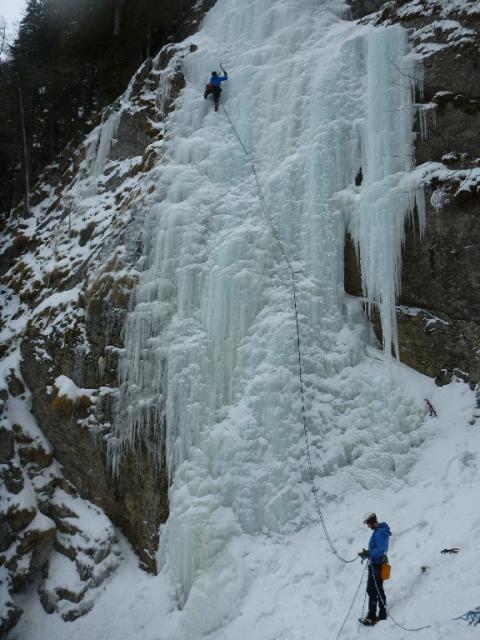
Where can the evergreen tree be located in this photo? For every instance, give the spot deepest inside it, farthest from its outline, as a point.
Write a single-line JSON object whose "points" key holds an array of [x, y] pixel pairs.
{"points": [[70, 59]]}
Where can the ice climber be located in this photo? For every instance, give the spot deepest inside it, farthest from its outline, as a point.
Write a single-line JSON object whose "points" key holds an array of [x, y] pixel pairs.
{"points": [[376, 555], [214, 88]]}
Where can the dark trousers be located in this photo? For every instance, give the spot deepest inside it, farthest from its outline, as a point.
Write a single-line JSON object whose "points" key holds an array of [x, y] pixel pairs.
{"points": [[215, 91], [376, 594]]}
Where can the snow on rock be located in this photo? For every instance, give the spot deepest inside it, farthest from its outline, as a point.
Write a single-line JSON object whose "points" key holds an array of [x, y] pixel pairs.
{"points": [[67, 388], [38, 514], [88, 555]]}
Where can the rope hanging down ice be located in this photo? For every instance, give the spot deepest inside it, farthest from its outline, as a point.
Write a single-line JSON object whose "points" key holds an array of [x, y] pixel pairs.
{"points": [[293, 273], [353, 602]]}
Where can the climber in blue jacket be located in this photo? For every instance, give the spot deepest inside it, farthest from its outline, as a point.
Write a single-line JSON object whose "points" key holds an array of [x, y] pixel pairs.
{"points": [[377, 555], [214, 88]]}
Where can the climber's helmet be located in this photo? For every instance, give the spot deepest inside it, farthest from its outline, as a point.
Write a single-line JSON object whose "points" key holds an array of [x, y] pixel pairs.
{"points": [[370, 518]]}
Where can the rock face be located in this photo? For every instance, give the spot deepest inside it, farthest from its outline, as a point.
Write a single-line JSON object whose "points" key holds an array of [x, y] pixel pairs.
{"points": [[44, 520], [67, 274], [362, 8], [439, 311]]}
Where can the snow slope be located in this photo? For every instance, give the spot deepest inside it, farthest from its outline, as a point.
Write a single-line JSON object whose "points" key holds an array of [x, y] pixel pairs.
{"points": [[292, 588], [211, 351]]}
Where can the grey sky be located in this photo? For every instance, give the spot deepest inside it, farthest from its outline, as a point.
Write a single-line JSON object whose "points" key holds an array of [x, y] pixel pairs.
{"points": [[12, 11]]}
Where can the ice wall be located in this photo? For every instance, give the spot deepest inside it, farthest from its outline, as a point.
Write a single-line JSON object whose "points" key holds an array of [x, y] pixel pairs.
{"points": [[209, 377]]}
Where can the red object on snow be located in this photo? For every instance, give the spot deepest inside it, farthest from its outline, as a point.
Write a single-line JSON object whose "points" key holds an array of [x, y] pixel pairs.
{"points": [[431, 410]]}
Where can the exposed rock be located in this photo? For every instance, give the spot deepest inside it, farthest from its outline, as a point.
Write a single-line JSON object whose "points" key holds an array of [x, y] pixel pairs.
{"points": [[9, 613], [136, 501], [31, 553], [18, 518], [439, 316], [3, 397], [35, 455], [15, 386], [12, 476], [440, 274], [6, 534], [352, 273], [7, 446], [361, 8]]}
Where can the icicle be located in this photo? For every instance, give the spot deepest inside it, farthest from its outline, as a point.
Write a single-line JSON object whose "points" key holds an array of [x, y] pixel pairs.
{"points": [[102, 138], [108, 132], [385, 200]]}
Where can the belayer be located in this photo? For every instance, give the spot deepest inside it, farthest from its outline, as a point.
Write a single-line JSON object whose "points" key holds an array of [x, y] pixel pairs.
{"points": [[378, 569], [214, 88]]}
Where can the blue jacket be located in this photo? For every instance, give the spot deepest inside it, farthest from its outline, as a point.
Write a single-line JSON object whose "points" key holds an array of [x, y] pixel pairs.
{"points": [[378, 544], [217, 80]]}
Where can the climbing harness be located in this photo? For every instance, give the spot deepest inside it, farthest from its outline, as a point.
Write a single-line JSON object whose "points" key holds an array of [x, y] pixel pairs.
{"points": [[293, 274]]}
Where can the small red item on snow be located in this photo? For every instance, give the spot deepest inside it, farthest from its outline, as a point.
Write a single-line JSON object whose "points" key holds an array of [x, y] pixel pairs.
{"points": [[431, 410]]}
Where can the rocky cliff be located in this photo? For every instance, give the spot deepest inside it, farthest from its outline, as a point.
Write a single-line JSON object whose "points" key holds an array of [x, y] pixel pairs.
{"points": [[438, 314], [68, 271]]}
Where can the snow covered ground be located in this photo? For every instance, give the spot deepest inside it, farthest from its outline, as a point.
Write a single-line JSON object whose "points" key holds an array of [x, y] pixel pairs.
{"points": [[314, 98], [290, 587]]}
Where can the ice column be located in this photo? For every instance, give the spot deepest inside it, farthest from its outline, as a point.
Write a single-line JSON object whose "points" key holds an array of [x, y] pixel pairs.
{"points": [[387, 195]]}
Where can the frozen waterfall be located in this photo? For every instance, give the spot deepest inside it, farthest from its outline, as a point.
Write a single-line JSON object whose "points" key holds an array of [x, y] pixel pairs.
{"points": [[210, 365]]}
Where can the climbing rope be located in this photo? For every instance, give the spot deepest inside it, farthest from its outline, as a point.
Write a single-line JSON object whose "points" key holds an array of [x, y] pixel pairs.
{"points": [[353, 602], [293, 273], [318, 508], [363, 611], [428, 626]]}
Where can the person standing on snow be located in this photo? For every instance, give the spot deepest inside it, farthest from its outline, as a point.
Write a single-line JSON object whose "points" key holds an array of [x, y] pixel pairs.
{"points": [[213, 87], [376, 555]]}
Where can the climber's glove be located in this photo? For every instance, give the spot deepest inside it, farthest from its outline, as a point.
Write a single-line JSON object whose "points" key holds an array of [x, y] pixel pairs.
{"points": [[363, 554]]}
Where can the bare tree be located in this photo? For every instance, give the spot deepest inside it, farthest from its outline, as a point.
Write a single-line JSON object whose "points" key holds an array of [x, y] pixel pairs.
{"points": [[149, 30], [118, 17], [25, 152], [3, 34]]}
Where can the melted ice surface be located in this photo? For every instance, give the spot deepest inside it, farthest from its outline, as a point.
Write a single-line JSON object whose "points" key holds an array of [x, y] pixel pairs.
{"points": [[211, 361]]}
